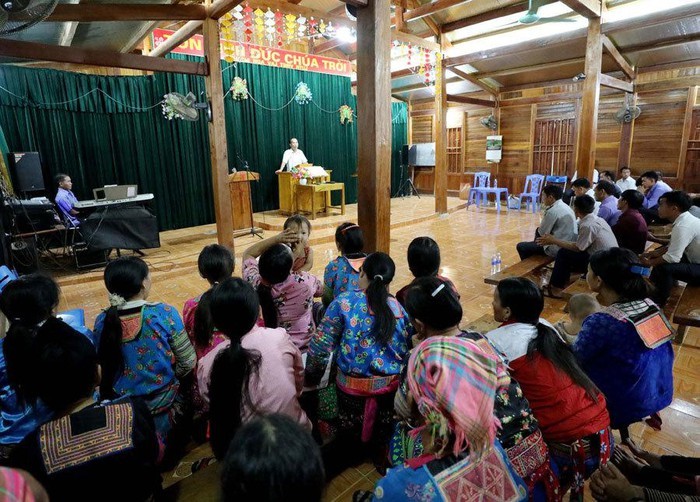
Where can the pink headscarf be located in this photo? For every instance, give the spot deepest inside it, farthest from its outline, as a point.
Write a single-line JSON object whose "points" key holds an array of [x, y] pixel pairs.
{"points": [[453, 382]]}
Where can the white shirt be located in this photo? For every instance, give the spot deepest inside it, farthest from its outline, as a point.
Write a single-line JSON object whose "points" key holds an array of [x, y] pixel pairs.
{"points": [[628, 184], [558, 220], [685, 240], [512, 340], [292, 159]]}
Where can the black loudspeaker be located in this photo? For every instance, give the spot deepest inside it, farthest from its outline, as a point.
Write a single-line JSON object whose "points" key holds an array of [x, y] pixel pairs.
{"points": [[26, 168], [404, 155]]}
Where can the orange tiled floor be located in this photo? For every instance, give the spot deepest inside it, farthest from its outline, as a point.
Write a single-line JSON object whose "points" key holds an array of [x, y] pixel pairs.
{"points": [[468, 239]]}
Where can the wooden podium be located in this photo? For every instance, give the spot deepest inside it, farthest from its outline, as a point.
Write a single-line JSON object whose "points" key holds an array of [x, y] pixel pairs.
{"points": [[291, 201], [239, 190]]}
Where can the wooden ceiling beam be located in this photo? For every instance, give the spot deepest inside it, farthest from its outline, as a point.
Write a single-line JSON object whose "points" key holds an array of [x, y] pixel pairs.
{"points": [[524, 69], [466, 100], [394, 75], [616, 83], [474, 80], [415, 40], [220, 7], [91, 12], [44, 52], [180, 36], [68, 29], [431, 24], [488, 16], [420, 85], [431, 8], [590, 9], [661, 44], [620, 61]]}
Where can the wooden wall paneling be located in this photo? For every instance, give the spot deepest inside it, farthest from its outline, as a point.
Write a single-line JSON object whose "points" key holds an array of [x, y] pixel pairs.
{"points": [[656, 143], [692, 158], [422, 129], [517, 153], [609, 132], [687, 125]]}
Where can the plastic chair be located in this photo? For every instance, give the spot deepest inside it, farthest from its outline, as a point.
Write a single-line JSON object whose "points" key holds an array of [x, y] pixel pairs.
{"points": [[557, 180], [7, 275], [532, 194], [74, 318], [482, 180]]}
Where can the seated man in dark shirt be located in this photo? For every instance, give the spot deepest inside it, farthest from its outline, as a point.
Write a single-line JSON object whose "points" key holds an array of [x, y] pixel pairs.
{"points": [[631, 228]]}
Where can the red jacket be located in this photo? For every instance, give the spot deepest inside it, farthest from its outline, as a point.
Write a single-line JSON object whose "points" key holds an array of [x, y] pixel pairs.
{"points": [[564, 410]]}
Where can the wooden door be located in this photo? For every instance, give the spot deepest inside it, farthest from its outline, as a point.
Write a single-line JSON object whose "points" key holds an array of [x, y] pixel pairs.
{"points": [[553, 150], [691, 181], [455, 157]]}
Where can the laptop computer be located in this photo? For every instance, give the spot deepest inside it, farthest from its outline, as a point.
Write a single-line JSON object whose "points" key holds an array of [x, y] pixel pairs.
{"points": [[115, 192]]}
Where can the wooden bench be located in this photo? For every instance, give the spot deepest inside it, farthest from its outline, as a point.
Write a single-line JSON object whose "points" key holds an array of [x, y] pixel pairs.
{"points": [[687, 311], [483, 324], [520, 269], [577, 287]]}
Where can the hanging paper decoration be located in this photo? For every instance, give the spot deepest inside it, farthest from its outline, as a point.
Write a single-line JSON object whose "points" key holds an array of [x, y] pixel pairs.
{"points": [[279, 28], [238, 12], [248, 23], [239, 89], [269, 26], [259, 24], [302, 94], [345, 114], [313, 30]]}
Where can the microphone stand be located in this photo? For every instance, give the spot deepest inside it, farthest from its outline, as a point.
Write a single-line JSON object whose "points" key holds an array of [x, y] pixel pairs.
{"points": [[252, 230]]}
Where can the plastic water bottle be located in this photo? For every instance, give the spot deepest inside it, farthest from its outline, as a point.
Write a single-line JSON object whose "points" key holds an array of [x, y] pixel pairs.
{"points": [[498, 262], [495, 183], [493, 264]]}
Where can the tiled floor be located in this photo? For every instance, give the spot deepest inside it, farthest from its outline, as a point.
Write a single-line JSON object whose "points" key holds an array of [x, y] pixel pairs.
{"points": [[468, 239]]}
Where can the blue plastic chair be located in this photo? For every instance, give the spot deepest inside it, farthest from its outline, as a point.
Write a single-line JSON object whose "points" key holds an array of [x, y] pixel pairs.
{"points": [[6, 276], [535, 182], [557, 180], [482, 180], [74, 318]]}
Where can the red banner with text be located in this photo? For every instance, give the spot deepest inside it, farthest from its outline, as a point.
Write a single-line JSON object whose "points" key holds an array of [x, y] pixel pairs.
{"points": [[258, 54]]}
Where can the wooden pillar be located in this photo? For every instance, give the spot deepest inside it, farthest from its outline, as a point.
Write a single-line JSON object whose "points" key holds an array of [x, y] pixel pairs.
{"points": [[627, 132], [585, 158], [374, 123], [687, 125], [440, 175], [217, 135]]}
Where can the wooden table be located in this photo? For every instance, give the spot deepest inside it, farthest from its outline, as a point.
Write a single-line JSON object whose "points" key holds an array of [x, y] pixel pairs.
{"points": [[326, 188]]}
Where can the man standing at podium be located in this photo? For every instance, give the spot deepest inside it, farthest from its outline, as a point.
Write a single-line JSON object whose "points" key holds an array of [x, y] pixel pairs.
{"points": [[292, 157]]}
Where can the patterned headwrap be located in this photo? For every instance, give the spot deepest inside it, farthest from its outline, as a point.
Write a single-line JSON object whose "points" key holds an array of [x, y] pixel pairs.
{"points": [[453, 382]]}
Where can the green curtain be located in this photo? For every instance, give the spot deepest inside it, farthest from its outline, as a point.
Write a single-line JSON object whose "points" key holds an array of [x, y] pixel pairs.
{"points": [[98, 141]]}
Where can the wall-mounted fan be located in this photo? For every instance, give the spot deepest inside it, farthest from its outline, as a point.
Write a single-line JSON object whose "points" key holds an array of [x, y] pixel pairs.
{"points": [[627, 114], [490, 122], [184, 107], [18, 15]]}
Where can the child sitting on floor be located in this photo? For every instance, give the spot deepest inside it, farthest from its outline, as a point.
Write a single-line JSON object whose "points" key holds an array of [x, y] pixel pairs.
{"points": [[580, 306], [286, 299], [343, 273], [423, 261], [90, 447], [303, 254], [215, 264]]}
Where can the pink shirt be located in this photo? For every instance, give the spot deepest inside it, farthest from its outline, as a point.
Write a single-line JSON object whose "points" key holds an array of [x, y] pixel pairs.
{"points": [[188, 313], [293, 298], [280, 378]]}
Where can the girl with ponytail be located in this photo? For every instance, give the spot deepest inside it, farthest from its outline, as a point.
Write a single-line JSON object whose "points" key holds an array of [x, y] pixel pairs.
{"points": [[26, 303], [373, 333], [626, 348], [256, 371], [343, 272], [286, 297], [143, 348], [569, 407]]}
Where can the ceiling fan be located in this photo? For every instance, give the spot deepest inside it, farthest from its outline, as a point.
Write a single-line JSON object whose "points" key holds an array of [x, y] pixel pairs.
{"points": [[533, 17], [18, 15]]}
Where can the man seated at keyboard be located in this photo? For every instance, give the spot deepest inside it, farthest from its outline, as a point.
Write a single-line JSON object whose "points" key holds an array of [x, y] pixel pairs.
{"points": [[65, 200]]}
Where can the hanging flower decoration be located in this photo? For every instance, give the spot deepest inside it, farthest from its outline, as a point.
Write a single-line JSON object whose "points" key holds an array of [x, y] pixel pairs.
{"points": [[239, 89], [345, 114], [168, 104], [302, 94]]}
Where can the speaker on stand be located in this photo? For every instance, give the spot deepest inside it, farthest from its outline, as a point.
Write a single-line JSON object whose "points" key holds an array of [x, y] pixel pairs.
{"points": [[27, 172]]}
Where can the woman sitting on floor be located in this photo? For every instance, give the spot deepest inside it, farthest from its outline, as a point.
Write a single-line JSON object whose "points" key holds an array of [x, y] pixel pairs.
{"points": [[343, 273], [370, 332], [143, 347], [434, 310], [626, 348], [256, 371], [452, 384], [286, 298], [569, 408], [90, 450], [26, 302]]}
